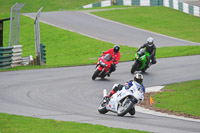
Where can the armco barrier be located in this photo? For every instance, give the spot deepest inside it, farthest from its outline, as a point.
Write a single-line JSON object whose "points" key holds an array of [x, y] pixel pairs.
{"points": [[5, 57], [175, 4]]}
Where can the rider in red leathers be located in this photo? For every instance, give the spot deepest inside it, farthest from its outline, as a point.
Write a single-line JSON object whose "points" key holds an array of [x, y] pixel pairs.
{"points": [[116, 57]]}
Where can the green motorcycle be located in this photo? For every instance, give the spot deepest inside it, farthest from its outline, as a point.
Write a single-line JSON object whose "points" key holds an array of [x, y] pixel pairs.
{"points": [[140, 63]]}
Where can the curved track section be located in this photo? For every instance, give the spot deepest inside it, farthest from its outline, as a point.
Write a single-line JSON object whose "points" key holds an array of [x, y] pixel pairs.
{"points": [[69, 94], [103, 29]]}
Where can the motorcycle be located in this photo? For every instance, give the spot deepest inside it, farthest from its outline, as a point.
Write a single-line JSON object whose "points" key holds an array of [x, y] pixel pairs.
{"points": [[103, 66], [123, 101], [140, 64]]}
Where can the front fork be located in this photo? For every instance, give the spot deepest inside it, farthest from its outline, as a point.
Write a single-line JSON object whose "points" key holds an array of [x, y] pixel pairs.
{"points": [[100, 68]]}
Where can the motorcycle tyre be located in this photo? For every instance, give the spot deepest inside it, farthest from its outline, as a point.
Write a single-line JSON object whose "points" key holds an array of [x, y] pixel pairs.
{"points": [[102, 109], [144, 69], [96, 73], [132, 111], [103, 75], [125, 111], [134, 67]]}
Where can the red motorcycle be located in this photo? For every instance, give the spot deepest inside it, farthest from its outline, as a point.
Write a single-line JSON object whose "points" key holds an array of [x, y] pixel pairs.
{"points": [[103, 66]]}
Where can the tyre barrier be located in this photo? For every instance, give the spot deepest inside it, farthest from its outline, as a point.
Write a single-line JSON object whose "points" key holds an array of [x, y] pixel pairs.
{"points": [[10, 56], [5, 57]]}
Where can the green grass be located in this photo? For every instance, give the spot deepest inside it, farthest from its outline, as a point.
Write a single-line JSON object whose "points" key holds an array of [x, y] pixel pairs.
{"points": [[65, 48], [182, 97], [162, 20], [14, 123], [48, 5]]}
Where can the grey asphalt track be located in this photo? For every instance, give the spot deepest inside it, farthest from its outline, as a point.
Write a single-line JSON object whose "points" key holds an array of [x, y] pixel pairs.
{"points": [[87, 24], [192, 2], [69, 94]]}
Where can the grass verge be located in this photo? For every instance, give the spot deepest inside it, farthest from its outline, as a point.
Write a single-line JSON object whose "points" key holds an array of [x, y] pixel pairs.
{"points": [[180, 97], [160, 19], [48, 5], [14, 123]]}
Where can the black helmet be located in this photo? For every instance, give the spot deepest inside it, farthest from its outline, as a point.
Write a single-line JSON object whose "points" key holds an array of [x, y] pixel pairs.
{"points": [[138, 78], [116, 48]]}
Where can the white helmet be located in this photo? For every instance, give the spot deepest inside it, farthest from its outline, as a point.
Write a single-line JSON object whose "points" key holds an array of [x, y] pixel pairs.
{"points": [[150, 41], [138, 78]]}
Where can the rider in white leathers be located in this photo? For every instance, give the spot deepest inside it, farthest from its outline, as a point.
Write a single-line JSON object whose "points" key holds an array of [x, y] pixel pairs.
{"points": [[116, 87]]}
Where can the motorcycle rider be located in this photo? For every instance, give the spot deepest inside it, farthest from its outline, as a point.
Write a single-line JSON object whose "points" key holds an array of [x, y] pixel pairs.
{"points": [[116, 57], [151, 49], [116, 87]]}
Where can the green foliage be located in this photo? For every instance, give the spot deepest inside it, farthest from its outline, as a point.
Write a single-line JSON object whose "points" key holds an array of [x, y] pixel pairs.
{"points": [[14, 123], [162, 20], [180, 97]]}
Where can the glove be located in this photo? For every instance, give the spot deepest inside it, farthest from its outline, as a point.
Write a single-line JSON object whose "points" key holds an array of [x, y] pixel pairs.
{"points": [[126, 87], [130, 84]]}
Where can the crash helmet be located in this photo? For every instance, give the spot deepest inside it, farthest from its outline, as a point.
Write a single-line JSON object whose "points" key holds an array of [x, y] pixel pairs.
{"points": [[116, 48], [138, 78], [150, 41]]}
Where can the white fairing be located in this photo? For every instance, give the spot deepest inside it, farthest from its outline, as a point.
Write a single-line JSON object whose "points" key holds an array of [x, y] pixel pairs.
{"points": [[136, 91]]}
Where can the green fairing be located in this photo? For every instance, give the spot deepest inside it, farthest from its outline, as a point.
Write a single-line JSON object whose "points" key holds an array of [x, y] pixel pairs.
{"points": [[141, 59]]}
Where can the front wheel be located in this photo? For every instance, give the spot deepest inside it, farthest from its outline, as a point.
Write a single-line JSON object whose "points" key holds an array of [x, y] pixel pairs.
{"points": [[102, 107], [134, 67], [132, 111], [123, 109], [144, 69], [96, 73]]}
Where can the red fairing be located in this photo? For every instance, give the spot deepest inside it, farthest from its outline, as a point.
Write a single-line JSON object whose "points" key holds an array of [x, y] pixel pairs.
{"points": [[100, 68], [116, 56], [106, 62]]}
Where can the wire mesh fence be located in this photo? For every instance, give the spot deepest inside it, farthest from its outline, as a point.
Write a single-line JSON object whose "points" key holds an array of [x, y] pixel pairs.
{"points": [[15, 24]]}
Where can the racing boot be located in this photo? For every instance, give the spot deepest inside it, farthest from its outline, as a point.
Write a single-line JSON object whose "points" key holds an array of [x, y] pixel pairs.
{"points": [[108, 74], [110, 94]]}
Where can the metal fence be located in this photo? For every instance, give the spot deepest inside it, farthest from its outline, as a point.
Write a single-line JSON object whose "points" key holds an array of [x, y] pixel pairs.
{"points": [[14, 24], [37, 35]]}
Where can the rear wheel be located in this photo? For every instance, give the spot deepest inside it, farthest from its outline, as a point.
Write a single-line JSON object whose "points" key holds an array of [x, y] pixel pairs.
{"points": [[102, 107], [134, 67], [96, 73], [123, 109]]}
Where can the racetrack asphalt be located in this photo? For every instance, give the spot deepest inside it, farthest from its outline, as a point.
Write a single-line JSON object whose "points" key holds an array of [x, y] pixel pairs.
{"points": [[69, 93], [96, 27]]}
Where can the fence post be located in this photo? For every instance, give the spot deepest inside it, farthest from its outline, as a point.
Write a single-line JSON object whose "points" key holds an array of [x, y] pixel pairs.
{"points": [[37, 37]]}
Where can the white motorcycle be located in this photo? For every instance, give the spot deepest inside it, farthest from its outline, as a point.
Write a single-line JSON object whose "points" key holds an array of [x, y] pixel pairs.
{"points": [[123, 101]]}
